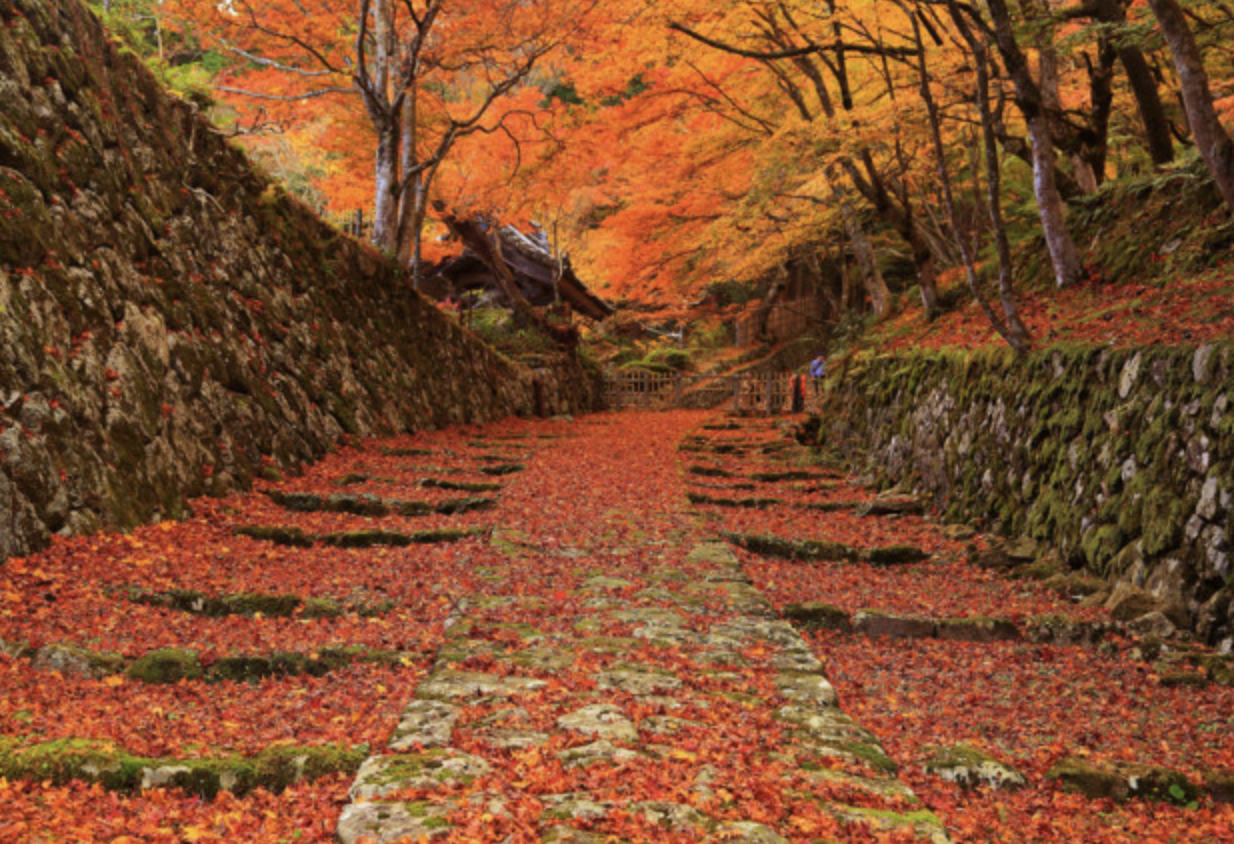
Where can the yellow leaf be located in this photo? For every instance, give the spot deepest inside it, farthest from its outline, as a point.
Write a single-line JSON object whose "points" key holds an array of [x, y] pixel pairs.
{"points": [[114, 680], [194, 833]]}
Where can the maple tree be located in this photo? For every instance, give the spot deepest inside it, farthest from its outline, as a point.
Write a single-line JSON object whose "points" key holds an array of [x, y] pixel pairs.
{"points": [[424, 74]]}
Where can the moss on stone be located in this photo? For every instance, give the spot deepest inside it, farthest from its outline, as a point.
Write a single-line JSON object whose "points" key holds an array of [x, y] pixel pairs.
{"points": [[710, 472], [1122, 782], [352, 478], [891, 555], [167, 665], [456, 506], [818, 617], [500, 469], [808, 550], [368, 538], [290, 536], [460, 486], [103, 762], [748, 503], [1101, 544], [868, 752]]}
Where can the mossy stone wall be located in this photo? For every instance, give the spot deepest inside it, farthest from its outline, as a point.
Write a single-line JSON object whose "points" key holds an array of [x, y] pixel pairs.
{"points": [[1122, 459], [171, 322]]}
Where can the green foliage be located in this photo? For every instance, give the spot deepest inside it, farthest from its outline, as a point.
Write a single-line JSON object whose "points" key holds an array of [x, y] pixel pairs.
{"points": [[139, 26], [498, 328]]}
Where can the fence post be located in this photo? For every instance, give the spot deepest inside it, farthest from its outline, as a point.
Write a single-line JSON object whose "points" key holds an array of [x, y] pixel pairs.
{"points": [[737, 394], [677, 389], [767, 393]]}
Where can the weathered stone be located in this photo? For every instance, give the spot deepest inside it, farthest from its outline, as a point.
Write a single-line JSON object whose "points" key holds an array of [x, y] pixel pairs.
{"points": [[601, 719], [713, 554], [971, 767], [817, 617], [806, 688], [575, 806], [959, 532], [1201, 363], [383, 775], [1130, 375], [168, 665], [809, 550], [667, 725], [605, 584], [892, 555], [745, 832], [450, 685], [874, 623], [1130, 602], [637, 679], [977, 629], [290, 536], [922, 823], [385, 823], [1074, 585], [1122, 781], [425, 724], [1219, 785], [69, 659], [1058, 630], [674, 816], [894, 504], [1152, 624], [598, 751]]}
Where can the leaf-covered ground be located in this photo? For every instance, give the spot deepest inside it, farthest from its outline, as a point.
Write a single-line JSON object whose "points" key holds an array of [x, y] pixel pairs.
{"points": [[580, 585], [1027, 704]]}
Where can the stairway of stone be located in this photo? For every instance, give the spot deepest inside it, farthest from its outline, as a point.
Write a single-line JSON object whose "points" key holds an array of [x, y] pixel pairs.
{"points": [[619, 679]]}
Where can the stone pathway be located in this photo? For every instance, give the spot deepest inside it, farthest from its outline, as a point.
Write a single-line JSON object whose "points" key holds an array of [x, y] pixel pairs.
{"points": [[623, 681]]}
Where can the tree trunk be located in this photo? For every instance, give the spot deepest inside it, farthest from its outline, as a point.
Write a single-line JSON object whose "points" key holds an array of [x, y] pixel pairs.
{"points": [[1065, 258], [387, 124], [385, 200], [876, 287], [1211, 138], [1143, 86], [1016, 332]]}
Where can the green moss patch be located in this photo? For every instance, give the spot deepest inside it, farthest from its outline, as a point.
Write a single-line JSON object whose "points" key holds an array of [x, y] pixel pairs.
{"points": [[284, 664], [290, 536], [1123, 782], [806, 550], [749, 503], [102, 762], [711, 472], [460, 486], [818, 617], [268, 605], [373, 505], [893, 555], [782, 477], [500, 469], [166, 665]]}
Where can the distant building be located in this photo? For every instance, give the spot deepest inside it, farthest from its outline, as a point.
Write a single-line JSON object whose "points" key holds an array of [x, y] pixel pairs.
{"points": [[532, 265]]}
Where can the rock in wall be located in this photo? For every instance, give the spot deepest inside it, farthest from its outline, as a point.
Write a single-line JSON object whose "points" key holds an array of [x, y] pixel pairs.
{"points": [[170, 321], [1121, 459]]}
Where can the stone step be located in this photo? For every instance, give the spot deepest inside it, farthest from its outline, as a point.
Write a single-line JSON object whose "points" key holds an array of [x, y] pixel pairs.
{"points": [[615, 701]]}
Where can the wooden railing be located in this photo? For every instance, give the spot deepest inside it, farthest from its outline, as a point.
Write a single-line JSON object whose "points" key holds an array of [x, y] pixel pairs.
{"points": [[750, 393]]}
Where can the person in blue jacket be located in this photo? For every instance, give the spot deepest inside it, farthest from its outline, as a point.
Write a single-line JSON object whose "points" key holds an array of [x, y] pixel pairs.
{"points": [[818, 371]]}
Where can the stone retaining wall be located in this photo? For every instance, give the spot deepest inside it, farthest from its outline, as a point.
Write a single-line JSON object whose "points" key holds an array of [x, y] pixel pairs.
{"points": [[1123, 460], [171, 322]]}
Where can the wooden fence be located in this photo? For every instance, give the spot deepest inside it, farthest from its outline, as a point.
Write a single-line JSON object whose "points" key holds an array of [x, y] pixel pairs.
{"points": [[750, 393]]}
